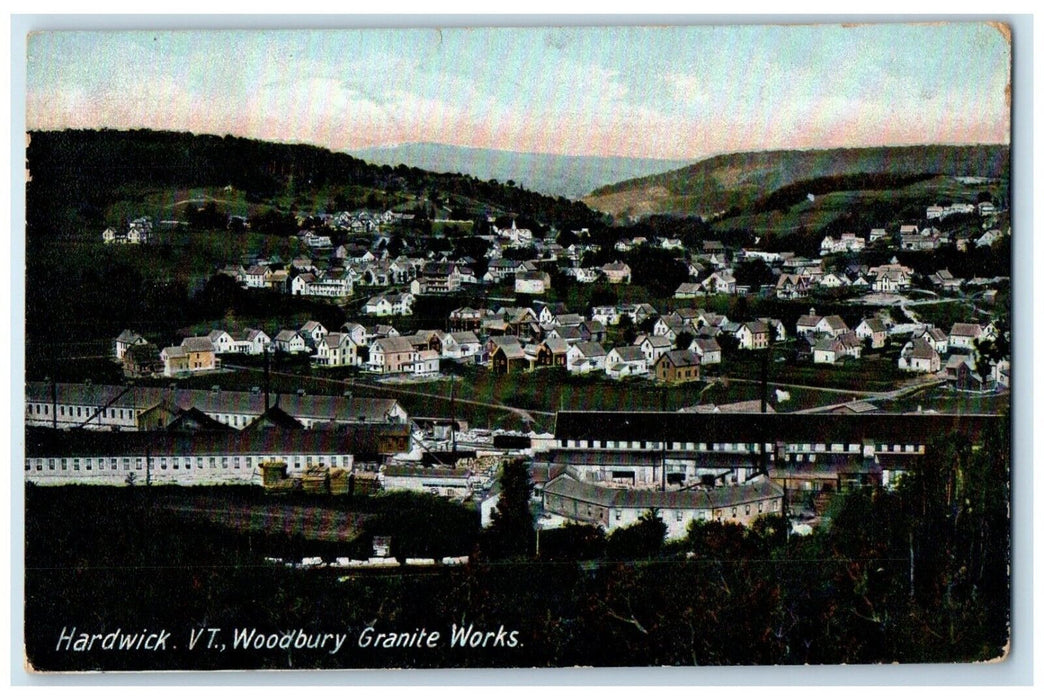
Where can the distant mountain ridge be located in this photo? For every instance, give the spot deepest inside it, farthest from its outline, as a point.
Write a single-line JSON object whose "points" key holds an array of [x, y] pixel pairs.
{"points": [[556, 175], [739, 179]]}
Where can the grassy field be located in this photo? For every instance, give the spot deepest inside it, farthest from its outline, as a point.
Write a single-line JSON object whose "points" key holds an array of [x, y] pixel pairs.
{"points": [[947, 400], [945, 314], [869, 373]]}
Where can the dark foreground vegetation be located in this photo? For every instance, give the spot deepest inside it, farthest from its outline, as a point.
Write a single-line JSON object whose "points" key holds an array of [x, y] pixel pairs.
{"points": [[916, 574]]}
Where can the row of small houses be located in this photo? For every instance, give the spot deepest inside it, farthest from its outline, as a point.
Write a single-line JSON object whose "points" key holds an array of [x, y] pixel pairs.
{"points": [[302, 277]]}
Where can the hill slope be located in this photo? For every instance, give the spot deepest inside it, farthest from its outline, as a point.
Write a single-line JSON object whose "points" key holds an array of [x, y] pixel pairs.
{"points": [[555, 175], [738, 180], [75, 174]]}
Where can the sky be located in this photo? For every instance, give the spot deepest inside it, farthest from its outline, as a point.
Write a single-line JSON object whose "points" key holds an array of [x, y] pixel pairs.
{"points": [[652, 92]]}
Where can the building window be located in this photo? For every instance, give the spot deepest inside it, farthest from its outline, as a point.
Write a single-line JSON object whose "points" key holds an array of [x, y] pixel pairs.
{"points": [[747, 509], [50, 464], [137, 463]]}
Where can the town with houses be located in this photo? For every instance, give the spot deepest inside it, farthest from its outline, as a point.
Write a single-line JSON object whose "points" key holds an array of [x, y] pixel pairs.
{"points": [[730, 462]]}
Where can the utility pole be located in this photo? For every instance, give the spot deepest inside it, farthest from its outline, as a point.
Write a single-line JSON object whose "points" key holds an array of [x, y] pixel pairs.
{"points": [[265, 350]]}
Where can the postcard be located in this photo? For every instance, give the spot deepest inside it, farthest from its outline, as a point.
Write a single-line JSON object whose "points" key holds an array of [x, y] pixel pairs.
{"points": [[518, 347]]}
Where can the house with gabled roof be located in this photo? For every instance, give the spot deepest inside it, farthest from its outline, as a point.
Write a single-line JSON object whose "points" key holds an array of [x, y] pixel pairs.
{"points": [[462, 346], [126, 339], [337, 350], [391, 355], [312, 332], [175, 361], [720, 282], [937, 337], [707, 349], [919, 356], [626, 361], [256, 276], [289, 341], [222, 340], [585, 357], [793, 286], [507, 355], [963, 375], [834, 280], [607, 315], [617, 272], [808, 323], [142, 360], [536, 282], [201, 354], [753, 335], [874, 329], [830, 350], [592, 330], [945, 280], [678, 366], [551, 352], [964, 335], [653, 346], [549, 312], [832, 325], [466, 318], [567, 334], [688, 290]]}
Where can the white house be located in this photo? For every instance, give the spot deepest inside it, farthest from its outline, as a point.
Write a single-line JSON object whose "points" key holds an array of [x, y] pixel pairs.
{"points": [[532, 282], [256, 276], [337, 350], [964, 335], [937, 338], [721, 282], [426, 364], [707, 349], [919, 356], [626, 361], [583, 358], [830, 350], [312, 332], [607, 315], [462, 345], [223, 342], [258, 341], [653, 346], [389, 305], [125, 340], [832, 326], [290, 341]]}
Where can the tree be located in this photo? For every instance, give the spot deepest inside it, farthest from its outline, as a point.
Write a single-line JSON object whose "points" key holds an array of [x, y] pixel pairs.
{"points": [[642, 540], [628, 330], [683, 340], [511, 534]]}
